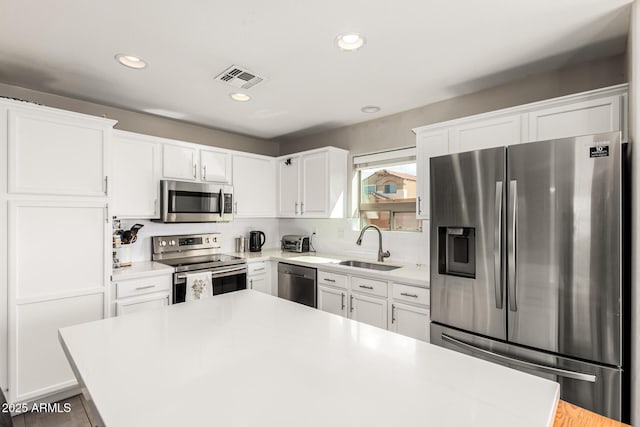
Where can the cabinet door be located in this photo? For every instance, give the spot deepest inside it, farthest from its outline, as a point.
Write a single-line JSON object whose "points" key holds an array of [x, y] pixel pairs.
{"points": [[580, 118], [215, 166], [369, 310], [487, 133], [179, 162], [288, 186], [410, 321], [135, 170], [428, 144], [332, 300], [57, 249], [147, 302], [314, 202], [254, 186], [52, 153], [260, 283], [37, 364]]}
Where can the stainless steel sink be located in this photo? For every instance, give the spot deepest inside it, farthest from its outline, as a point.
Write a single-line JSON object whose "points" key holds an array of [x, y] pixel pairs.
{"points": [[369, 265]]}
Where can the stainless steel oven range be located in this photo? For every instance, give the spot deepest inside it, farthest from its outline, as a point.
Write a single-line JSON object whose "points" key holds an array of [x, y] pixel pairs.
{"points": [[197, 253]]}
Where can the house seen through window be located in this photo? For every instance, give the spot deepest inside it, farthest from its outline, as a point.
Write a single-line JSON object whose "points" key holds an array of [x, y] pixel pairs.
{"points": [[388, 197]]}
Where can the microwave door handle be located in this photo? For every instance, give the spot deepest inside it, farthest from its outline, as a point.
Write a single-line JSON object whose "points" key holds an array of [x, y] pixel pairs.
{"points": [[221, 203]]}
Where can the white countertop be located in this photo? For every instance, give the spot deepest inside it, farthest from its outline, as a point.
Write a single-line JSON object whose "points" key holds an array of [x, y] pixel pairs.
{"points": [[140, 269], [250, 359], [414, 274]]}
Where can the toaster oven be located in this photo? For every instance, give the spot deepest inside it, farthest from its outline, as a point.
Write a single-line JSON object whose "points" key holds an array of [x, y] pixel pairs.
{"points": [[295, 243]]}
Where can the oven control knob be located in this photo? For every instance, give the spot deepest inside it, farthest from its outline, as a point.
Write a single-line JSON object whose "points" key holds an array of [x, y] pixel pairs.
{"points": [[206, 240], [163, 243], [172, 243]]}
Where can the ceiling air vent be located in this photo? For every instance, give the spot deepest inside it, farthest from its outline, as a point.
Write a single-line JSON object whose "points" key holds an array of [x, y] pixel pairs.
{"points": [[239, 77]]}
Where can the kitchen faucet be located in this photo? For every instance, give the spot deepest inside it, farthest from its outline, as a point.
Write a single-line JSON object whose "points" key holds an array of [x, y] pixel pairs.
{"points": [[381, 255]]}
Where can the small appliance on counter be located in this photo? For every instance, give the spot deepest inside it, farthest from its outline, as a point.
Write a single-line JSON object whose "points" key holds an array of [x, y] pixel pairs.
{"points": [[256, 241], [240, 244], [295, 243]]}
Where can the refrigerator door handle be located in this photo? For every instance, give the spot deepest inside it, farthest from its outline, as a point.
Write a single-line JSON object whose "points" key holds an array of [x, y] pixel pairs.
{"points": [[497, 247], [512, 242], [521, 363]]}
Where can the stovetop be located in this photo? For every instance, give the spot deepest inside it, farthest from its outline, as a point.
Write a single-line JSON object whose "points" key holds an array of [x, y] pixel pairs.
{"points": [[203, 262]]}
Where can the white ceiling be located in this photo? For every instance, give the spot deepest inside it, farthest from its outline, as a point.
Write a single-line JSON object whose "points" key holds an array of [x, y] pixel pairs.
{"points": [[417, 52]]}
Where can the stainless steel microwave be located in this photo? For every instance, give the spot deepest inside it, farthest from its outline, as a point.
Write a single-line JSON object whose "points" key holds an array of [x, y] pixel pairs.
{"points": [[195, 202]]}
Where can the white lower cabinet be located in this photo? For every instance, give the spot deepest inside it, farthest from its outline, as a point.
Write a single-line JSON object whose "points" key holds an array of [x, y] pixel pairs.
{"points": [[134, 295], [37, 364], [368, 309], [409, 320], [259, 276], [374, 302], [144, 303], [332, 300]]}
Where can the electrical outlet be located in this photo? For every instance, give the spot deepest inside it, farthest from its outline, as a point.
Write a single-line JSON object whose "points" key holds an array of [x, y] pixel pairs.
{"points": [[314, 230]]}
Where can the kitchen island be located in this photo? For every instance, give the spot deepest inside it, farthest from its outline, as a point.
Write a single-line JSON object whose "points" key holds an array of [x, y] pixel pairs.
{"points": [[250, 359]]}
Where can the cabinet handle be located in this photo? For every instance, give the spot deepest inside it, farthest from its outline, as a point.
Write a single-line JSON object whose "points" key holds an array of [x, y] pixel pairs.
{"points": [[145, 287], [296, 209], [204, 173], [106, 214], [329, 280], [351, 303], [366, 287], [235, 208], [259, 269], [342, 298], [409, 295], [419, 205], [106, 185], [250, 283], [301, 208], [393, 313], [195, 170]]}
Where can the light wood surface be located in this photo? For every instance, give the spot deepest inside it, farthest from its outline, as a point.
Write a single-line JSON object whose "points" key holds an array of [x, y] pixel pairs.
{"points": [[568, 415]]}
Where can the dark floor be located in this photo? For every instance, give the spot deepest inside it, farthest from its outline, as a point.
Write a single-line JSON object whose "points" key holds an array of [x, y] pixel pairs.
{"points": [[77, 417]]}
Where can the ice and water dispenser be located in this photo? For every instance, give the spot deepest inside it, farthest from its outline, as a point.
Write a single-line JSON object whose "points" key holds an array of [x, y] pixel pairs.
{"points": [[457, 251]]}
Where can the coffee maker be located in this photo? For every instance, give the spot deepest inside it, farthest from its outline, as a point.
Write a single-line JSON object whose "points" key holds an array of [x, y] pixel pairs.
{"points": [[256, 241]]}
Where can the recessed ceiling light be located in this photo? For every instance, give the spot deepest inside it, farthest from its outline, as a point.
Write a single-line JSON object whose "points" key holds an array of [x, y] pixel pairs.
{"points": [[370, 109], [131, 61], [240, 97], [350, 41]]}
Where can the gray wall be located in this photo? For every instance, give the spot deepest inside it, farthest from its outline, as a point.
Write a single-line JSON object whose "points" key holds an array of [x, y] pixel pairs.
{"points": [[395, 130], [148, 124]]}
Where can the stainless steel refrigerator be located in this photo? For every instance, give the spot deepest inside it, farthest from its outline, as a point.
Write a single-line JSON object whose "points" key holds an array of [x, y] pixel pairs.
{"points": [[527, 263]]}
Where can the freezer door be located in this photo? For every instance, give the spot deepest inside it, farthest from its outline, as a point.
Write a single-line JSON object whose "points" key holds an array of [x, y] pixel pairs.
{"points": [[467, 241], [564, 246], [594, 387]]}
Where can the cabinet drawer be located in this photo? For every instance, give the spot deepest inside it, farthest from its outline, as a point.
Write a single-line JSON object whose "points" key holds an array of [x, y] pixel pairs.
{"points": [[411, 294], [256, 268], [147, 285], [332, 279], [369, 286]]}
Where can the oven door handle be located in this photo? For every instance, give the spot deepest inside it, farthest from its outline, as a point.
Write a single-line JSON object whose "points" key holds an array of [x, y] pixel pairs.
{"points": [[220, 273]]}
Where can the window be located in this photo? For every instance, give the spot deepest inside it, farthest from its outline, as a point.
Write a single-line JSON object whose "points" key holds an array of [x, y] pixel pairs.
{"points": [[388, 191], [390, 188]]}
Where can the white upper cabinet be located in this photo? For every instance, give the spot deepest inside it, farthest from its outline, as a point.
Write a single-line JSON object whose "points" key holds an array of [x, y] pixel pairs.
{"points": [[56, 152], [314, 199], [135, 171], [428, 144], [179, 162], [578, 118], [215, 166], [254, 182], [288, 186], [487, 133], [313, 184]]}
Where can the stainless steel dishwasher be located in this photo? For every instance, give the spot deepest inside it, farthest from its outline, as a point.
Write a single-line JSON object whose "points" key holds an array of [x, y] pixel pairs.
{"points": [[297, 284]]}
